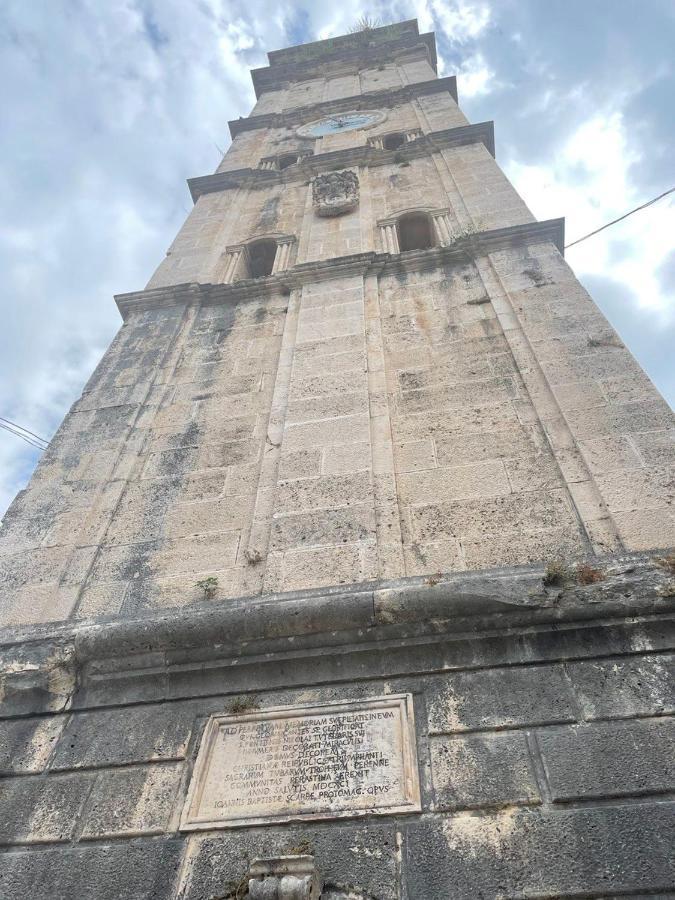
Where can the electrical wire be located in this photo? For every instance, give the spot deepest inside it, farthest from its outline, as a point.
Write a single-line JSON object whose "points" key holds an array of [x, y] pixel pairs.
{"points": [[624, 216], [34, 441], [23, 437], [26, 430], [27, 440]]}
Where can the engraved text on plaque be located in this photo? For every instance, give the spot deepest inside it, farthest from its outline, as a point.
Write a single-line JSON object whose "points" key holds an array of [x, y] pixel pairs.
{"points": [[305, 762]]}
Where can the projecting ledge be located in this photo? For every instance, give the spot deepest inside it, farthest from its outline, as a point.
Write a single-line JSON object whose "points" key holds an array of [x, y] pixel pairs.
{"points": [[358, 263], [306, 63], [371, 99], [341, 631], [364, 155], [622, 585]]}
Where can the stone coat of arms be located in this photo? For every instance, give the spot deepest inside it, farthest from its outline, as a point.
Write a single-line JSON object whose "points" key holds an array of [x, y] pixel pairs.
{"points": [[335, 193]]}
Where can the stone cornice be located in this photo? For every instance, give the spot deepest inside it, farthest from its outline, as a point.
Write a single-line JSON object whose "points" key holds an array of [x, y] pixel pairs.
{"points": [[362, 56], [462, 603], [481, 242], [372, 99], [319, 50], [364, 155], [358, 263]]}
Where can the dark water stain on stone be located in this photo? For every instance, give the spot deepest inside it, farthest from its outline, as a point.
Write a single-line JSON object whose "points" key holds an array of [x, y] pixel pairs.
{"points": [[269, 214]]}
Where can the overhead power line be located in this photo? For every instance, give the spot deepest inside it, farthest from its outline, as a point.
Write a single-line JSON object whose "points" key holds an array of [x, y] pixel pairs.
{"points": [[28, 436], [23, 437], [26, 430], [41, 443], [624, 216]]}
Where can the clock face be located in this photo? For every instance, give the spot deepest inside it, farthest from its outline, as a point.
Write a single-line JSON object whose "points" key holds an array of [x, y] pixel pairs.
{"points": [[340, 122]]}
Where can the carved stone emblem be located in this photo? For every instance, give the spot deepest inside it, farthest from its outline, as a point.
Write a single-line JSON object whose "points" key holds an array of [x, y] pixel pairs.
{"points": [[284, 878], [335, 193]]}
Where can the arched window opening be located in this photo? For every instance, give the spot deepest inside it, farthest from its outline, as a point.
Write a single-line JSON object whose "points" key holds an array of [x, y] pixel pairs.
{"points": [[415, 232], [261, 258], [288, 159], [393, 141]]}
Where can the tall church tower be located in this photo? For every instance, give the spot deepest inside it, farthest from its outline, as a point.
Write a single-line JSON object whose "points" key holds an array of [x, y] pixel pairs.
{"points": [[347, 576]]}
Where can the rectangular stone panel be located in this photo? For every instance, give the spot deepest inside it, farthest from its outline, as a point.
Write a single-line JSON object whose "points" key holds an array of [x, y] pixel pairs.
{"points": [[132, 801], [594, 852], [499, 698], [115, 737], [610, 759], [33, 810], [134, 870], [482, 770], [625, 687], [302, 763]]}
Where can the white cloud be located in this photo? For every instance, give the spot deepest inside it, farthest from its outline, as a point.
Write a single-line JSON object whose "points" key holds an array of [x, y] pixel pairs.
{"points": [[461, 21], [475, 77], [588, 181], [113, 105]]}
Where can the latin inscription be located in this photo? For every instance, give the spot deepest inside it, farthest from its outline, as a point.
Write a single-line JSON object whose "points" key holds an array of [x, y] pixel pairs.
{"points": [[307, 762]]}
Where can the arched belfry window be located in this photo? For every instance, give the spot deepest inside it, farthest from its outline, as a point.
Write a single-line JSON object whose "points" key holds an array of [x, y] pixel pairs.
{"points": [[415, 232], [261, 256], [257, 259], [282, 161], [393, 141], [416, 229]]}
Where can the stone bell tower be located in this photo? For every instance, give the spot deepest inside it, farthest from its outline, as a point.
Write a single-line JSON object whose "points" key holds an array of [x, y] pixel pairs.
{"points": [[348, 574]]}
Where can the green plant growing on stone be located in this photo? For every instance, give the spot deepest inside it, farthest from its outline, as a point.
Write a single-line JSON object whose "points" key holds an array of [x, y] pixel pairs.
{"points": [[242, 705], [466, 231], [432, 580], [236, 890], [667, 563], [556, 574], [463, 236], [209, 586], [365, 23], [537, 277]]}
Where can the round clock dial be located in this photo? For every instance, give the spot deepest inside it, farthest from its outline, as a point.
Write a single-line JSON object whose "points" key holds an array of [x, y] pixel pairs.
{"points": [[340, 122]]}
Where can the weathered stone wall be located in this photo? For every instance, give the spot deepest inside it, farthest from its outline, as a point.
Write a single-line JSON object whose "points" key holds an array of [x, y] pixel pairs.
{"points": [[477, 482], [345, 84], [152, 477], [606, 413], [341, 454], [480, 198], [429, 114], [545, 758], [478, 413]]}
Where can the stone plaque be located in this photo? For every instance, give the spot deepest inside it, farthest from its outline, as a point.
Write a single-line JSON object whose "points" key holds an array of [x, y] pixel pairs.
{"points": [[305, 762]]}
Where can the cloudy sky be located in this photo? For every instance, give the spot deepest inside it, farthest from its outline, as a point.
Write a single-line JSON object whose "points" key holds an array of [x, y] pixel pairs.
{"points": [[109, 105]]}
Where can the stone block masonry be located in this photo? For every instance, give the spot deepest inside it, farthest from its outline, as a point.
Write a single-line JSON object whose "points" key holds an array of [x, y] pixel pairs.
{"points": [[544, 748], [362, 440], [356, 428]]}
